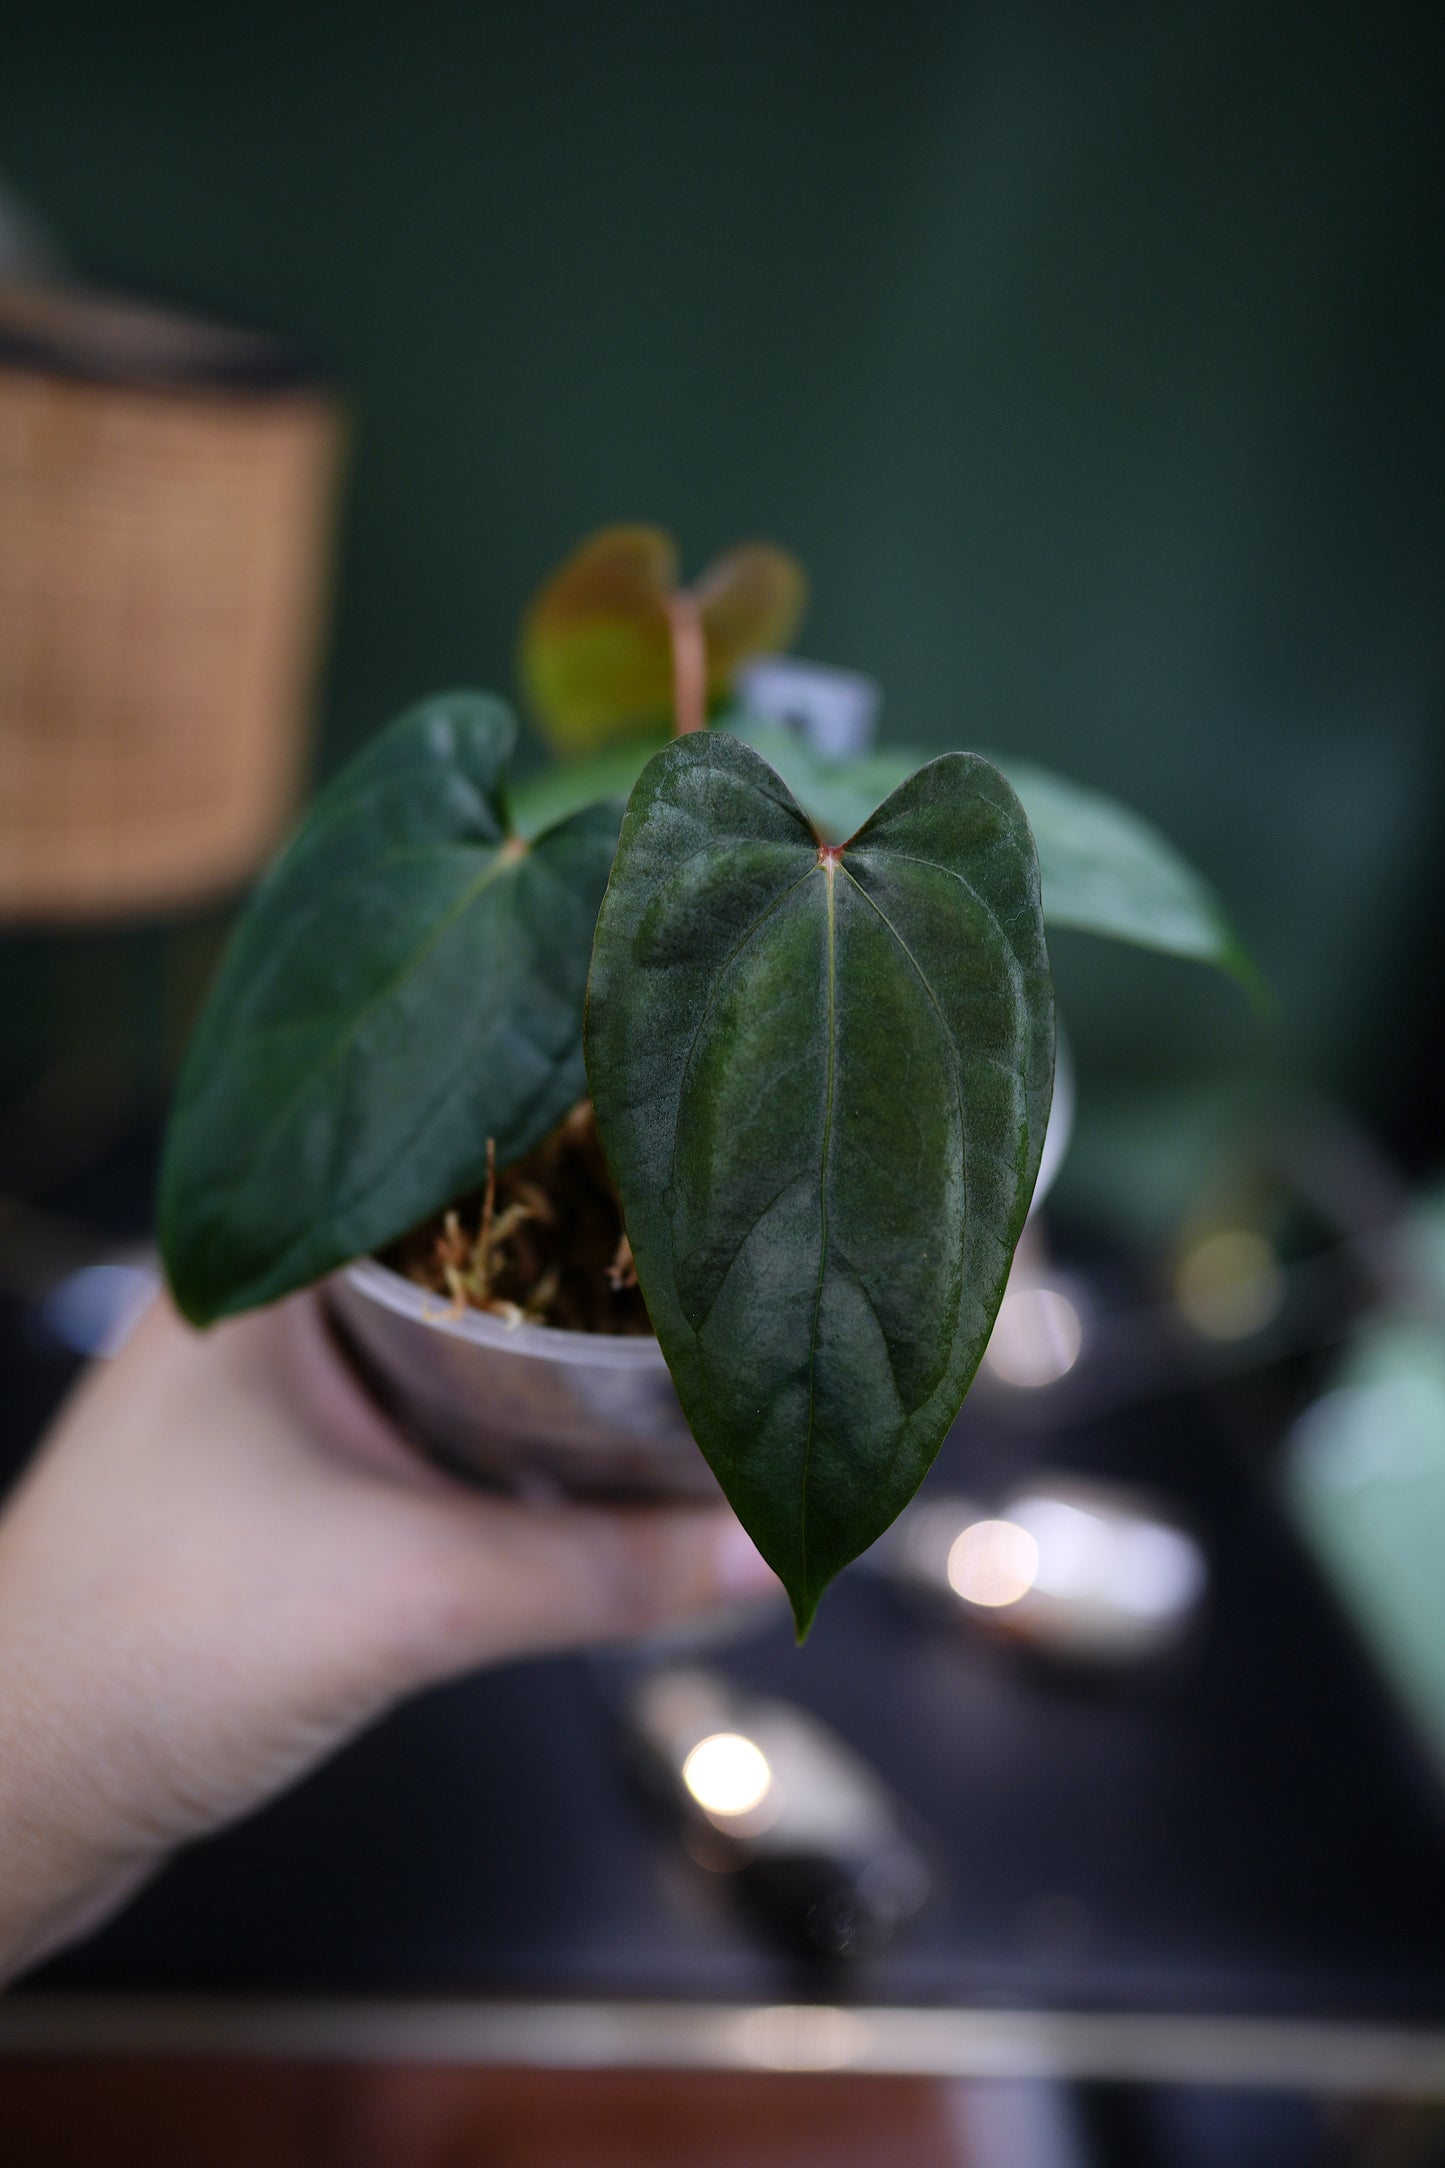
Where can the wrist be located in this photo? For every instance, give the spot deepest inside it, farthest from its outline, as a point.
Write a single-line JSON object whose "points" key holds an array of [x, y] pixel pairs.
{"points": [[72, 1845], [60, 1873]]}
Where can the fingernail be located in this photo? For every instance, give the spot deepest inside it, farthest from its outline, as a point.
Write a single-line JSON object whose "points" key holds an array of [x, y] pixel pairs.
{"points": [[741, 1569]]}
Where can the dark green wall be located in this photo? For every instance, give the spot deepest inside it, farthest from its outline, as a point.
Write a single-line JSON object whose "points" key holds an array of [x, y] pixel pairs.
{"points": [[1090, 355]]}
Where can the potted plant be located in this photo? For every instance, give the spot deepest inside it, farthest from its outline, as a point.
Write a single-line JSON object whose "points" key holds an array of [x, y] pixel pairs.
{"points": [[700, 1036]]}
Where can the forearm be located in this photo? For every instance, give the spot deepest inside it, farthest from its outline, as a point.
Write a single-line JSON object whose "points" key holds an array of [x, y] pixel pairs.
{"points": [[223, 1563], [67, 1857]]}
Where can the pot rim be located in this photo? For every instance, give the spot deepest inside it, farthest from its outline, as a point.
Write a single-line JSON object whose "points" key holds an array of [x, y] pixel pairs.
{"points": [[377, 1283]]}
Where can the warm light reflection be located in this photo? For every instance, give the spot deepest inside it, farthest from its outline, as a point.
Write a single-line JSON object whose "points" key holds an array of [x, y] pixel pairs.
{"points": [[727, 1774], [802, 2036], [993, 1563], [1230, 1285], [1036, 1338]]}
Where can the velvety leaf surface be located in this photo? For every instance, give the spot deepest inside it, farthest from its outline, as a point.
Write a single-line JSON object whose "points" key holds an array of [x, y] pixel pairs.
{"points": [[596, 645], [405, 983], [1104, 869], [837, 794], [822, 1088]]}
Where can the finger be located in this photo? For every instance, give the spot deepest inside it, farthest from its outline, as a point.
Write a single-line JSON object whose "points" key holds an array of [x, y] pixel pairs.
{"points": [[484, 1578], [497, 1579]]}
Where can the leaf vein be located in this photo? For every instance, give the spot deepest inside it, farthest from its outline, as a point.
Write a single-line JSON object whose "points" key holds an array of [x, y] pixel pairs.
{"points": [[822, 1219], [742, 942], [909, 858]]}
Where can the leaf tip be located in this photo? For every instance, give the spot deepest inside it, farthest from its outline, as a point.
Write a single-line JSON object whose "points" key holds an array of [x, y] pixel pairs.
{"points": [[187, 1296]]}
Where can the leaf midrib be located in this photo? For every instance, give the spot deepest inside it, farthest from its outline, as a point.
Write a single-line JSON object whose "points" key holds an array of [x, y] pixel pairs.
{"points": [[951, 1043], [829, 873]]}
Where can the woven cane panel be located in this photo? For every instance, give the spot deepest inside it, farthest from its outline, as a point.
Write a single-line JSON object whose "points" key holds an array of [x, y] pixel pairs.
{"points": [[162, 571]]}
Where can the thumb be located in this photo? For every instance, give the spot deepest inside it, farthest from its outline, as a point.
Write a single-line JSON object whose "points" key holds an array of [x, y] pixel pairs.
{"points": [[506, 1580]]}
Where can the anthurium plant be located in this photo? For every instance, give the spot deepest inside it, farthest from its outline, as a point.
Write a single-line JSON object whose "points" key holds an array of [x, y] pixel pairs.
{"points": [[810, 1000]]}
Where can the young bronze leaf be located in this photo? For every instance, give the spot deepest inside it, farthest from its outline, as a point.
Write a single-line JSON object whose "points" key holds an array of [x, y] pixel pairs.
{"points": [[407, 982], [596, 652], [822, 1082], [751, 602]]}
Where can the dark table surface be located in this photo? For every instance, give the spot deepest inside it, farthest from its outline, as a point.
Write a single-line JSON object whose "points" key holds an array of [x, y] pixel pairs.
{"points": [[1246, 1831]]}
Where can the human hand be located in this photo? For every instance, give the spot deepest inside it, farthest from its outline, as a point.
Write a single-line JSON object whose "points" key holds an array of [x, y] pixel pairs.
{"points": [[224, 1562]]}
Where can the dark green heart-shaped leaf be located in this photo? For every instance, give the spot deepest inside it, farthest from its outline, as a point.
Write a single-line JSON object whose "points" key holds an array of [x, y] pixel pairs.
{"points": [[1104, 869], [407, 982], [822, 1083]]}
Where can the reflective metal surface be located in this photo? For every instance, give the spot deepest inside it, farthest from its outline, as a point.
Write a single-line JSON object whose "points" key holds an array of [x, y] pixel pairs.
{"points": [[1153, 2048], [526, 1407]]}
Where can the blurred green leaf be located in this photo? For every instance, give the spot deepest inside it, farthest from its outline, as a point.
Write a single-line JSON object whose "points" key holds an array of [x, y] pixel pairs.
{"points": [[565, 786], [1107, 870]]}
